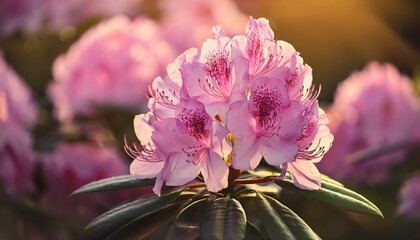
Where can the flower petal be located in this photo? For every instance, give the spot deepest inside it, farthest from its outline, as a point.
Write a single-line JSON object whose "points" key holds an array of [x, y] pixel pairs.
{"points": [[142, 127], [178, 170], [305, 175], [284, 152], [215, 172], [143, 169]]}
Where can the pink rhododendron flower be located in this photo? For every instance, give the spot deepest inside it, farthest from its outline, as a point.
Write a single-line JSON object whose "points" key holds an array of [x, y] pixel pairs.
{"points": [[372, 108], [272, 125], [166, 92], [16, 103], [18, 15], [71, 166], [232, 91], [111, 64], [30, 15], [410, 198], [16, 160], [313, 143], [194, 18], [72, 12], [147, 163], [214, 77], [17, 115], [201, 146], [191, 143]]}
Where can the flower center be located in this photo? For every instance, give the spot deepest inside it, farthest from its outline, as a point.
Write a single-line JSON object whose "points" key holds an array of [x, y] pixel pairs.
{"points": [[196, 122], [265, 103], [217, 66]]}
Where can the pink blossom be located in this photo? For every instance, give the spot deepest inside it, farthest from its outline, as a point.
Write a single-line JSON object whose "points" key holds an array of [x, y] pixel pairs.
{"points": [[17, 15], [265, 126], [410, 198], [191, 143], [16, 103], [30, 15], [17, 160], [215, 77], [146, 164], [232, 87], [194, 18], [274, 58], [304, 143], [111, 64], [314, 141], [71, 166], [165, 93], [260, 47], [372, 108], [17, 115], [59, 14]]}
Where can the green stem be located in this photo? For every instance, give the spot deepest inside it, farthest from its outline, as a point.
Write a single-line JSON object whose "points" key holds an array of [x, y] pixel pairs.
{"points": [[196, 185], [255, 180]]}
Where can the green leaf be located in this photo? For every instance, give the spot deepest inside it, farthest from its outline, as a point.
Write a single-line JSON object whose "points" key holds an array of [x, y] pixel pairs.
{"points": [[114, 183], [102, 231], [145, 226], [272, 222], [336, 195], [132, 210], [224, 219], [325, 178], [248, 203], [281, 222], [187, 224], [252, 233]]}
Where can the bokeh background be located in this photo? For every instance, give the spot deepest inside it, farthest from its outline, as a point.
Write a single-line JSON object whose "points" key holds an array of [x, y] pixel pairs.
{"points": [[335, 38]]}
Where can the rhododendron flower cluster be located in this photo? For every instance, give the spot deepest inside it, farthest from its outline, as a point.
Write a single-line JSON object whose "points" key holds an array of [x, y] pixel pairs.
{"points": [[373, 108], [17, 116], [194, 18], [230, 104], [73, 165], [110, 64], [30, 15], [410, 198]]}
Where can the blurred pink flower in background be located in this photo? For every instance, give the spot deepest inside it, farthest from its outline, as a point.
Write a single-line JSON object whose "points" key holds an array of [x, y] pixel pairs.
{"points": [[30, 15], [410, 198], [16, 103], [72, 12], [372, 108], [17, 115], [111, 64], [71, 166], [18, 15], [187, 23]]}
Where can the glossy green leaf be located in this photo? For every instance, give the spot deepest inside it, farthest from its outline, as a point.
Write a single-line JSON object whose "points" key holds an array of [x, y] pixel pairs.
{"points": [[280, 222], [248, 203], [147, 225], [336, 195], [273, 172], [272, 222], [114, 183], [325, 178], [224, 219], [132, 210], [252, 233], [186, 225], [102, 231]]}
